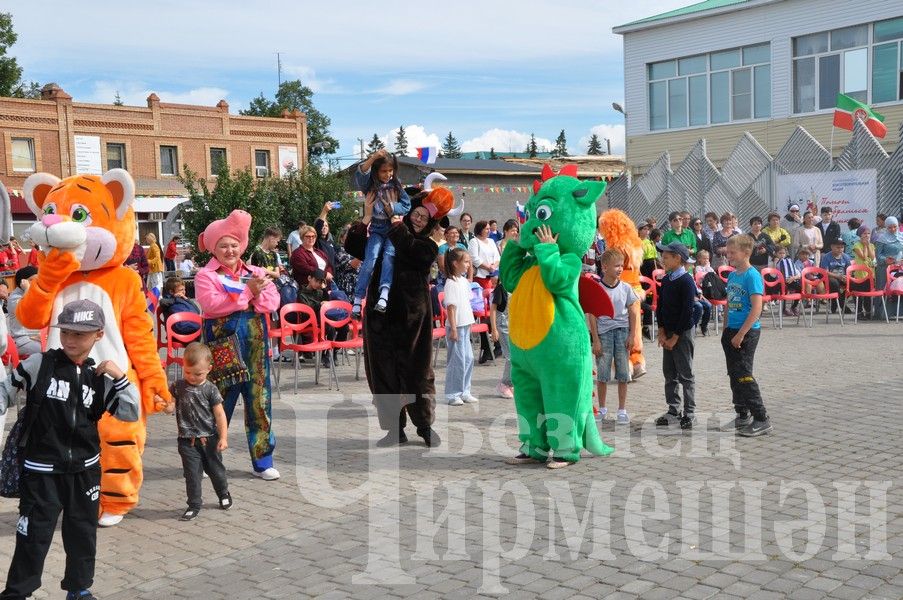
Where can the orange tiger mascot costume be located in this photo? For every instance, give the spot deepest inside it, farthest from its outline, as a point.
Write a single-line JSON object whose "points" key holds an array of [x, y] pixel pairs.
{"points": [[620, 232], [85, 232]]}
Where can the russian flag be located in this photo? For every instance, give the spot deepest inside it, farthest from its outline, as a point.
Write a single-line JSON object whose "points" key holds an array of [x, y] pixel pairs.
{"points": [[521, 212], [231, 286], [427, 155]]}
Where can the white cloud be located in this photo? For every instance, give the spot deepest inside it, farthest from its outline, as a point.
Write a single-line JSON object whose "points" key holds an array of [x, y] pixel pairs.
{"points": [[135, 93], [400, 87], [417, 138], [308, 77], [614, 133], [504, 140]]}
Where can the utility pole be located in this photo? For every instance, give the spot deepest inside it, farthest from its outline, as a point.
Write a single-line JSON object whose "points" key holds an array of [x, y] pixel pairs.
{"points": [[608, 144], [362, 147], [279, 69]]}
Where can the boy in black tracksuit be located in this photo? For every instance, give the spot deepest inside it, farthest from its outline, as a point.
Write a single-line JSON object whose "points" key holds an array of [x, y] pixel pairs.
{"points": [[675, 335], [61, 470]]}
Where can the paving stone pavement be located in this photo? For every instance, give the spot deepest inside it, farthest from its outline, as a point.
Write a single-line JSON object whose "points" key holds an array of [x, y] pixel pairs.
{"points": [[669, 515]]}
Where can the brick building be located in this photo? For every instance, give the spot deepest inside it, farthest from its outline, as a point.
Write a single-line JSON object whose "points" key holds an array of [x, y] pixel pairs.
{"points": [[62, 137]]}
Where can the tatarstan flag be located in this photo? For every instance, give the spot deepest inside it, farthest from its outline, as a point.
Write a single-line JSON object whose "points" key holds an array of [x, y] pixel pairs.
{"points": [[848, 110]]}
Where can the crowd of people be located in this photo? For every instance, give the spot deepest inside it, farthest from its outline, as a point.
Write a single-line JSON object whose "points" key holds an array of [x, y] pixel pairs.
{"points": [[403, 269]]}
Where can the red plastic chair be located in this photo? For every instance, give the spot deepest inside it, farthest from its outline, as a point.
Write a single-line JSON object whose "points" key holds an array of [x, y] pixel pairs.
{"points": [[893, 271], [354, 340], [176, 341], [650, 286], [482, 320], [810, 293], [724, 271], [439, 326], [861, 274], [307, 326], [777, 286], [11, 356]]}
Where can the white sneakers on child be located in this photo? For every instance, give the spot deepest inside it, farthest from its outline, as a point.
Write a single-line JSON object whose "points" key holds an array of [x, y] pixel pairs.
{"points": [[600, 416], [109, 520], [623, 418], [505, 391], [270, 474], [463, 398]]}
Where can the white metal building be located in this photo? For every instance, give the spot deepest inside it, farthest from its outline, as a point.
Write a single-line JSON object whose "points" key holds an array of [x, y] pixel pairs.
{"points": [[719, 68]]}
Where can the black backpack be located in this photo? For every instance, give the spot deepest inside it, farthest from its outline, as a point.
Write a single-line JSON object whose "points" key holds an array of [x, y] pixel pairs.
{"points": [[13, 458], [713, 288]]}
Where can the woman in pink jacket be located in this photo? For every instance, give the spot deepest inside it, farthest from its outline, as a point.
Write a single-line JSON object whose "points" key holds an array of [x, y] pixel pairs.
{"points": [[238, 298]]}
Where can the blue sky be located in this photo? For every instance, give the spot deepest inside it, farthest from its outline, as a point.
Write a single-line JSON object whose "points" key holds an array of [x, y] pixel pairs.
{"points": [[490, 71]]}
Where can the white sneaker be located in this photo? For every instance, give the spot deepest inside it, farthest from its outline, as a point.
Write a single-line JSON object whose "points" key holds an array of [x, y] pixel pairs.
{"points": [[456, 401], [600, 416], [623, 418], [109, 520], [504, 391], [349, 352], [270, 474], [468, 398], [639, 370]]}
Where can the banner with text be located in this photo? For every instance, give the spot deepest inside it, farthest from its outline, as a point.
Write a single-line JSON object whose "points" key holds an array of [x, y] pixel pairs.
{"points": [[851, 194]]}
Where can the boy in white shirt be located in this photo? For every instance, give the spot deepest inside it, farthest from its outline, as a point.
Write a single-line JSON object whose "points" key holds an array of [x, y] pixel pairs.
{"points": [[614, 338]]}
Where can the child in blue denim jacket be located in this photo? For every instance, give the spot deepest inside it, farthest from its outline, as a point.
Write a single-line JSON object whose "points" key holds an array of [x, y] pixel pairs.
{"points": [[384, 198]]}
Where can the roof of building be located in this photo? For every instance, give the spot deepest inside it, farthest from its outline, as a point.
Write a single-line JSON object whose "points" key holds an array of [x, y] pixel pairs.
{"points": [[605, 166], [689, 12], [462, 166]]}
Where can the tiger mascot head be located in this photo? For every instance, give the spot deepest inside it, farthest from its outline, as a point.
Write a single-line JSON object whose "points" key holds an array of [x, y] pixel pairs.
{"points": [[90, 215]]}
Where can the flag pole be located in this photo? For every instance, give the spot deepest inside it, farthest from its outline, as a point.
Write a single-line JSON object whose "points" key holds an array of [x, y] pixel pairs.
{"points": [[831, 149]]}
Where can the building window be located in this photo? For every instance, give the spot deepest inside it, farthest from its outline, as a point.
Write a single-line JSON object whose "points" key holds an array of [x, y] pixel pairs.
{"points": [[719, 87], [23, 155], [262, 163], [116, 156], [865, 62], [217, 160], [169, 160]]}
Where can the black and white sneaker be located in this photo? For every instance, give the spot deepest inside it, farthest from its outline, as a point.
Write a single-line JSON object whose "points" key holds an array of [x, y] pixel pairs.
{"points": [[190, 514], [756, 428], [225, 502], [668, 419], [742, 421], [687, 422]]}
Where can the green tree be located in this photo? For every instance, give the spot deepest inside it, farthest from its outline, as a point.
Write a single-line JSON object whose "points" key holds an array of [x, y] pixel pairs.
{"points": [[117, 101], [561, 146], [282, 201], [11, 82], [492, 154], [532, 148], [450, 147], [375, 144], [595, 146], [401, 142], [478, 156], [293, 95]]}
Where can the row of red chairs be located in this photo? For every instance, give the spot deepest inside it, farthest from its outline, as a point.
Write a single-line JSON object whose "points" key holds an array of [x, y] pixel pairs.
{"points": [[652, 284], [286, 336]]}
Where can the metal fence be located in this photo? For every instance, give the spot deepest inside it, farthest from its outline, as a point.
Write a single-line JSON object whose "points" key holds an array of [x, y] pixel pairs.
{"points": [[746, 183]]}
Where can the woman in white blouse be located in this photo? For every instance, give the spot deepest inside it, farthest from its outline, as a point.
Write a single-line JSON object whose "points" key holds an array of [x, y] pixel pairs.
{"points": [[485, 256], [809, 237]]}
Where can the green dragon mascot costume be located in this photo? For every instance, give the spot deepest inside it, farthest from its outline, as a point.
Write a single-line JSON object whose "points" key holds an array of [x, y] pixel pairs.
{"points": [[551, 358]]}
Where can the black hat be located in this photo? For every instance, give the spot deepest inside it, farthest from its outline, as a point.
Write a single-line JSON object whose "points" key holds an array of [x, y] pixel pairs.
{"points": [[675, 248], [319, 274], [838, 241], [81, 315], [25, 273]]}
